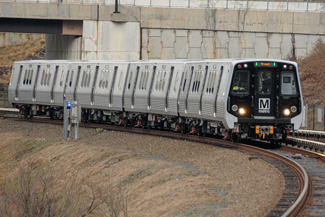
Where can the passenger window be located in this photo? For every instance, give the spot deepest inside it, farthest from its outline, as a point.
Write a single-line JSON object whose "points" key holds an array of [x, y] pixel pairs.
{"points": [[31, 76], [42, 79], [120, 83], [240, 82], [177, 80], [71, 78], [288, 83], [62, 78], [264, 82]]}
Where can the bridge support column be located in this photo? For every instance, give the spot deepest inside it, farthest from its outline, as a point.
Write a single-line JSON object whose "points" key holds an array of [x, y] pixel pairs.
{"points": [[100, 40]]}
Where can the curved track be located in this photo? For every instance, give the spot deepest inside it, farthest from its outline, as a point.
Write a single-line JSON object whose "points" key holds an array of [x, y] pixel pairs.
{"points": [[295, 203]]}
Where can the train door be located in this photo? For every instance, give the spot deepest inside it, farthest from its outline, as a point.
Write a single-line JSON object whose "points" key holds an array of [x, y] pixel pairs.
{"points": [[264, 92]]}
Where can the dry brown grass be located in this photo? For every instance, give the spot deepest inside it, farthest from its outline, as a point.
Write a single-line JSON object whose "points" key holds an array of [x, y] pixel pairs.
{"points": [[10, 54], [312, 75], [33, 49]]}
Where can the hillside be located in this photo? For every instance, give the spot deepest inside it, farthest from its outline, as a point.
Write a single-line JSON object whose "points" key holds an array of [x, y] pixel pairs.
{"points": [[108, 173], [33, 49], [312, 76]]}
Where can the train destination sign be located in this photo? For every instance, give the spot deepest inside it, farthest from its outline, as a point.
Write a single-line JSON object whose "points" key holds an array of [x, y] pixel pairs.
{"points": [[266, 64]]}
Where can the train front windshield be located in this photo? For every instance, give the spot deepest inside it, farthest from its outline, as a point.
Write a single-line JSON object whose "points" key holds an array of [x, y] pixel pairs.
{"points": [[264, 89], [241, 81]]}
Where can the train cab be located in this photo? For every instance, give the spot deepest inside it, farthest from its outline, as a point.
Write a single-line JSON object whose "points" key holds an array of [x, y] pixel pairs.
{"points": [[266, 99]]}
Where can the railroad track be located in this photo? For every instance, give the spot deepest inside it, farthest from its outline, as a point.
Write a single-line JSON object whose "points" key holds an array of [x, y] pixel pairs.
{"points": [[299, 186]]}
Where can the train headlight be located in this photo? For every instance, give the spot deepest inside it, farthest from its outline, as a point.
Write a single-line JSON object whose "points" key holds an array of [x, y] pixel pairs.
{"points": [[242, 111], [286, 112], [234, 108], [293, 109]]}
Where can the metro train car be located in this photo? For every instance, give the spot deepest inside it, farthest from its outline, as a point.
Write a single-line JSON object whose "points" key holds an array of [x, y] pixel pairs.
{"points": [[233, 98]]}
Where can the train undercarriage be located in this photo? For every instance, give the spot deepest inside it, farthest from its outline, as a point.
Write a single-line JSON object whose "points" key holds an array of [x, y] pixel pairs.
{"points": [[274, 133]]}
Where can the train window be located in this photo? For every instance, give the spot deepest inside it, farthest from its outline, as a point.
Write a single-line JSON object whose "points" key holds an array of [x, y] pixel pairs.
{"points": [[158, 80], [90, 73], [240, 82], [288, 83], [103, 80], [42, 79], [264, 82], [83, 78], [211, 82], [25, 76], [48, 79], [196, 82], [177, 80], [130, 79], [30, 78], [62, 77], [71, 78], [144, 80], [120, 83]]}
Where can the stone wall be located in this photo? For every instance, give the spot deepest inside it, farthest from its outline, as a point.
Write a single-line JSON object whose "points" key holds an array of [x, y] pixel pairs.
{"points": [[182, 33], [197, 44]]}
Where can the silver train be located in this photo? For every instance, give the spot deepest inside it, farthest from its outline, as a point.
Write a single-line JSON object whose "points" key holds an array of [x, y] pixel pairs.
{"points": [[235, 98]]}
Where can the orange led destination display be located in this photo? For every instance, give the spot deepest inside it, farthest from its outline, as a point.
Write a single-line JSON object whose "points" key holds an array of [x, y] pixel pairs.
{"points": [[266, 64]]}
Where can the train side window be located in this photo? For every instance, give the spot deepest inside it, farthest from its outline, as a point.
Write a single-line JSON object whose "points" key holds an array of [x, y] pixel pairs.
{"points": [[264, 82], [120, 83], [288, 83], [130, 79], [240, 82], [177, 80], [62, 78], [31, 76], [71, 78]]}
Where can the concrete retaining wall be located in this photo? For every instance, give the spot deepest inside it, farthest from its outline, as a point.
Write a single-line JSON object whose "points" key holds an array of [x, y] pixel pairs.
{"points": [[168, 33], [196, 44]]}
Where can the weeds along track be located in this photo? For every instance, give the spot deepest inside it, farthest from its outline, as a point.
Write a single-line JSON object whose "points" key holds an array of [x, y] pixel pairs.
{"points": [[295, 198]]}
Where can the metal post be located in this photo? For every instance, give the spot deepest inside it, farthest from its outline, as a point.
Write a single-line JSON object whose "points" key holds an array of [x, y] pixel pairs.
{"points": [[227, 4], [150, 3], [189, 3], [306, 117], [170, 3], [314, 114], [287, 5], [307, 4], [267, 8], [77, 122], [208, 4], [116, 7], [65, 120], [247, 5], [324, 116]]}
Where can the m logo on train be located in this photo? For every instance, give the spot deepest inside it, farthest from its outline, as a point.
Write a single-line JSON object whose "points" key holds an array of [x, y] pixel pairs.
{"points": [[264, 105]]}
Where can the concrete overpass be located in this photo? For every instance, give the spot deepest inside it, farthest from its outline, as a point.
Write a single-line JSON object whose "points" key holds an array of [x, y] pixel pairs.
{"points": [[95, 32]]}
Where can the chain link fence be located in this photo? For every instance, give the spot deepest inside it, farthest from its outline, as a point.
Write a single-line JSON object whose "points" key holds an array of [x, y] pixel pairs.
{"points": [[314, 117]]}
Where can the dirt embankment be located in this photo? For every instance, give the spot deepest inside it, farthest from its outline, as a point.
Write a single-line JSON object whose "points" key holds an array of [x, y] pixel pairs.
{"points": [[130, 174]]}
